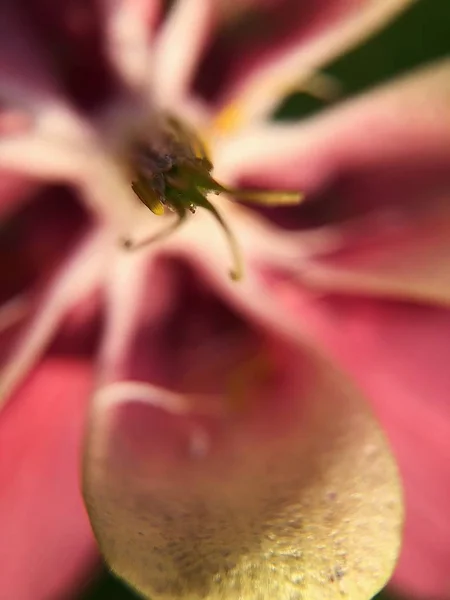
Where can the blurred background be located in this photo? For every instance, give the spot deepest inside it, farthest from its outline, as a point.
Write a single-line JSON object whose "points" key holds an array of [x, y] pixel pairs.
{"points": [[420, 35]]}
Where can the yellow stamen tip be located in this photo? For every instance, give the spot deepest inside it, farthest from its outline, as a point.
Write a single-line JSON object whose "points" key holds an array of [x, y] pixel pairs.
{"points": [[157, 208], [267, 198]]}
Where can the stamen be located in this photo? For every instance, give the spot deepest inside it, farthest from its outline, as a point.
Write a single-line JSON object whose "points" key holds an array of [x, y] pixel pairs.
{"points": [[132, 245], [267, 197], [176, 173], [237, 271]]}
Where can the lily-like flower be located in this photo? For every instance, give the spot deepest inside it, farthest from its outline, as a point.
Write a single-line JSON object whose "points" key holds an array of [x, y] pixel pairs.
{"points": [[222, 366]]}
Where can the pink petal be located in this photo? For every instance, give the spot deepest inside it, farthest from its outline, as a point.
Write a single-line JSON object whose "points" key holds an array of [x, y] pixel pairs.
{"points": [[14, 189], [401, 124], [46, 546], [71, 291], [45, 151], [71, 37], [178, 48], [36, 236], [399, 355], [23, 63], [376, 172], [268, 48], [412, 262], [128, 31]]}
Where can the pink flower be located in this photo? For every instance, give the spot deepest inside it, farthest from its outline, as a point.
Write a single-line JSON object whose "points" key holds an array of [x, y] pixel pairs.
{"points": [[226, 450]]}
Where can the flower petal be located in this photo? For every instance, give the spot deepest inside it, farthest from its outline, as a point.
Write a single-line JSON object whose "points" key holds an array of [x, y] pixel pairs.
{"points": [[24, 66], [256, 479], [377, 173], [46, 546], [413, 262], [14, 190], [403, 122], [43, 138], [76, 280], [35, 238], [129, 25], [399, 355], [178, 47], [35, 156], [271, 48], [71, 37]]}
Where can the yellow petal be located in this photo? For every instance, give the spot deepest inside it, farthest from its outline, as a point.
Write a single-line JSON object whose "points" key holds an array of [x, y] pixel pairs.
{"points": [[294, 497]]}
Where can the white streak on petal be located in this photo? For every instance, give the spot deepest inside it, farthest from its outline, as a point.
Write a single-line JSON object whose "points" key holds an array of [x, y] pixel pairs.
{"points": [[416, 266], [178, 49], [246, 150], [261, 93], [38, 157], [121, 392], [126, 282], [58, 148], [128, 32], [318, 145], [108, 193], [124, 391], [54, 143], [76, 280], [13, 312]]}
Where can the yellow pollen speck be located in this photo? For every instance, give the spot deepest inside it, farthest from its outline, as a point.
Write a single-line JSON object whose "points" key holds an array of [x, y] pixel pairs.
{"points": [[228, 119]]}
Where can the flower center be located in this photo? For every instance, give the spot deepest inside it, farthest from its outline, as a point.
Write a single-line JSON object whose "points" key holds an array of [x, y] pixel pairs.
{"points": [[174, 172]]}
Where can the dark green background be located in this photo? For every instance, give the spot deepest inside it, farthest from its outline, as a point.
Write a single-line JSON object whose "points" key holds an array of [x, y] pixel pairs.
{"points": [[420, 35]]}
